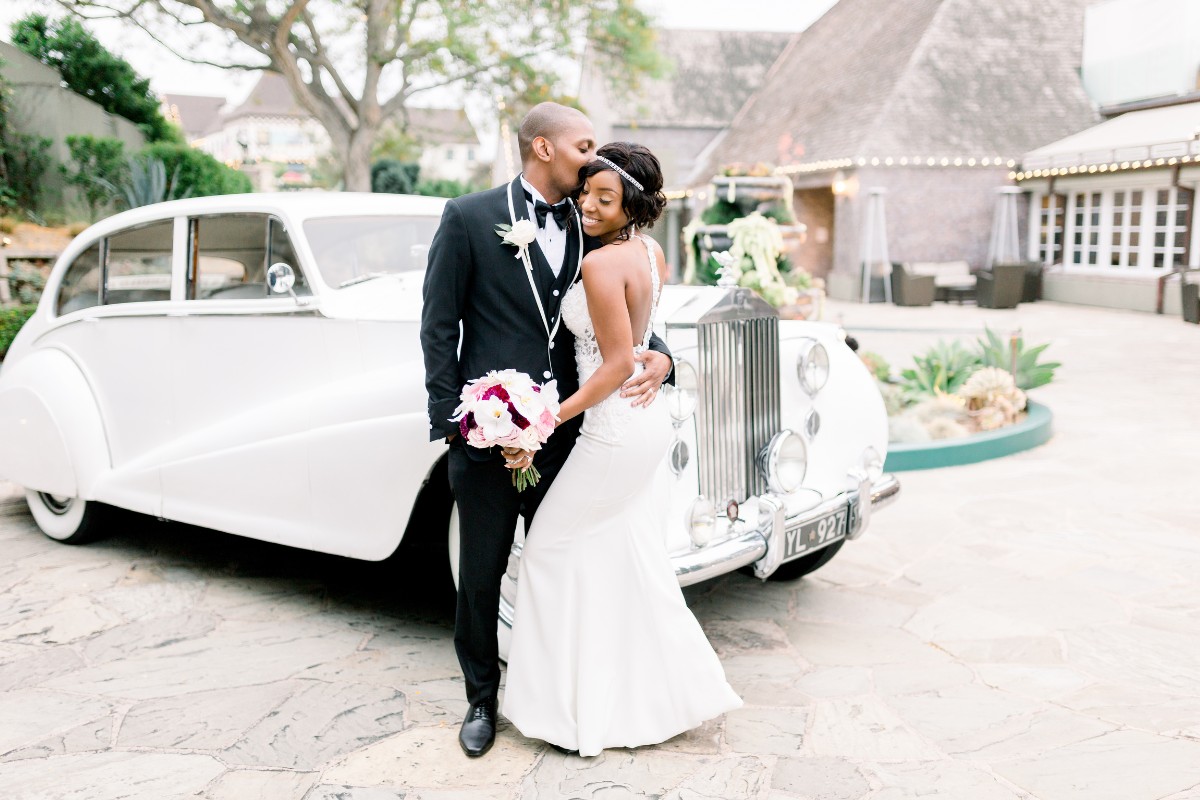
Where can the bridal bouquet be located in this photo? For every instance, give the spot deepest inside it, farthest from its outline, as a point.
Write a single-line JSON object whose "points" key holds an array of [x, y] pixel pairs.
{"points": [[507, 408]]}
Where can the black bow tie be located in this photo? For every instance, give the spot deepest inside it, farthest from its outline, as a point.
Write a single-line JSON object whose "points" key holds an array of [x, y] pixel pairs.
{"points": [[560, 211]]}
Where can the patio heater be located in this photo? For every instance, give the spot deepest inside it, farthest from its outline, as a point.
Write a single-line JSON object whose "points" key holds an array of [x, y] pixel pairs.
{"points": [[1003, 247], [874, 249]]}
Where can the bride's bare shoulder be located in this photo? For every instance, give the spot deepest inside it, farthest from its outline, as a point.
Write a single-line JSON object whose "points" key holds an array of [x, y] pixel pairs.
{"points": [[611, 257]]}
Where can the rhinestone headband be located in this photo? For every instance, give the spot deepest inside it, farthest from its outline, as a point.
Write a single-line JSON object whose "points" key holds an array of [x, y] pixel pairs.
{"points": [[621, 172]]}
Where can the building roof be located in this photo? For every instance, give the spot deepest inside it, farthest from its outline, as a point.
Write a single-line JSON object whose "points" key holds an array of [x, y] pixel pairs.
{"points": [[710, 75], [196, 114], [270, 97], [921, 78], [441, 126], [1153, 133]]}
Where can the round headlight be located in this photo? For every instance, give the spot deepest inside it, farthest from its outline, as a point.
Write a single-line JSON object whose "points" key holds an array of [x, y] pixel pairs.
{"points": [[701, 521], [681, 398], [812, 366], [784, 461]]}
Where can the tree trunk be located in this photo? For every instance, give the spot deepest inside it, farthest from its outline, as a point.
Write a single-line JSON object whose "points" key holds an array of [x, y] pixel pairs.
{"points": [[358, 161]]}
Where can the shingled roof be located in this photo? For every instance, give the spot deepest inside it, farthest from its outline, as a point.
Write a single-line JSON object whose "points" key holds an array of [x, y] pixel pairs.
{"points": [[919, 78], [710, 75], [196, 114]]}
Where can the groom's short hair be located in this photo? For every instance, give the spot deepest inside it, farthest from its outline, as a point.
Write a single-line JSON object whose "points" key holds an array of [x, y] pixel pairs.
{"points": [[546, 120]]}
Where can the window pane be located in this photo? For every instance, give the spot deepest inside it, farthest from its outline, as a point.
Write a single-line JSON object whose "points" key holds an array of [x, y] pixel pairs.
{"points": [[1118, 199], [232, 255], [81, 284], [139, 264], [347, 248]]}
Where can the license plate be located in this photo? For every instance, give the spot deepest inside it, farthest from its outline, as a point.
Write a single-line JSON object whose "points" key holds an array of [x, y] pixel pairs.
{"points": [[815, 534]]}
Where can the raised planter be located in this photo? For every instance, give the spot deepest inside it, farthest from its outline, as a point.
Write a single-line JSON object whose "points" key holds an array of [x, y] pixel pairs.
{"points": [[1027, 434]]}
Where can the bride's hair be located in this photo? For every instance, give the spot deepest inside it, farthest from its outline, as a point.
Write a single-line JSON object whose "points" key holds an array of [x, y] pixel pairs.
{"points": [[642, 206]]}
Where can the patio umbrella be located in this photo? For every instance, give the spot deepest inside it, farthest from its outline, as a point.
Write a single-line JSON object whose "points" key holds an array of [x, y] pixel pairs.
{"points": [[874, 248], [1003, 248]]}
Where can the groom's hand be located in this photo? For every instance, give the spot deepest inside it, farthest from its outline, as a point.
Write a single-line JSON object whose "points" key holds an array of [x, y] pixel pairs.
{"points": [[643, 387], [516, 458]]}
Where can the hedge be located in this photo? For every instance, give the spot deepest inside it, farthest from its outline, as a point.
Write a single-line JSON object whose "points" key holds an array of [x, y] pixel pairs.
{"points": [[11, 320]]}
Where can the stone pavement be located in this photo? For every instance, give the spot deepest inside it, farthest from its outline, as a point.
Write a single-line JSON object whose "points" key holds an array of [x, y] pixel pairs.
{"points": [[1023, 628]]}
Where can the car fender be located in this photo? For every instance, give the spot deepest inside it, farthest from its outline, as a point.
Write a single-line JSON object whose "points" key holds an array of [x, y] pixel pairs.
{"points": [[46, 403]]}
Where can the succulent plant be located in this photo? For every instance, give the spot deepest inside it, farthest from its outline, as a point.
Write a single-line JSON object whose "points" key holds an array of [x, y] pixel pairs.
{"points": [[996, 352], [941, 370], [992, 398]]}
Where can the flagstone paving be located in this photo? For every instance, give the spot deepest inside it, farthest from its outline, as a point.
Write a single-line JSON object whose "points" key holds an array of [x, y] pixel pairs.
{"points": [[1022, 628]]}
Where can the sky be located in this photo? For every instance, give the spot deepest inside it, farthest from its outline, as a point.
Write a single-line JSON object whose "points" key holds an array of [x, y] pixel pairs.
{"points": [[171, 75]]}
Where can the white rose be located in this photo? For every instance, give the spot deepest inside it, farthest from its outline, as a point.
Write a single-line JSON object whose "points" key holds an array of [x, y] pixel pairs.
{"points": [[522, 233], [530, 439]]}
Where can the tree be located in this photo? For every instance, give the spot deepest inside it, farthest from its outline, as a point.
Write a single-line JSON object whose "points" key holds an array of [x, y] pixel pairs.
{"points": [[97, 164], [90, 70], [511, 49]]}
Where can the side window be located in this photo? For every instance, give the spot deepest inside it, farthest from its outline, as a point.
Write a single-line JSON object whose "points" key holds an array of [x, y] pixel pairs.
{"points": [[228, 256], [81, 284], [137, 266]]}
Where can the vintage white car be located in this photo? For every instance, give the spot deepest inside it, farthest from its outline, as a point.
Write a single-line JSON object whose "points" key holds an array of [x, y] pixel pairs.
{"points": [[251, 364]]}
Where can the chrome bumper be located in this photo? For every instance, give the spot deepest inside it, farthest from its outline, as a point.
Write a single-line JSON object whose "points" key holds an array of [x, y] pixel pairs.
{"points": [[763, 546]]}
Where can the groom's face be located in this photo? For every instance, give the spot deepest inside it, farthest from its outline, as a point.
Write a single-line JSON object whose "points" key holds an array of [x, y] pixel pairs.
{"points": [[574, 147]]}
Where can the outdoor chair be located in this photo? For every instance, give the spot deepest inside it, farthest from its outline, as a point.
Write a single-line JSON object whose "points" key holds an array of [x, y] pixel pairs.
{"points": [[909, 289], [1189, 295], [1033, 282], [1001, 286]]}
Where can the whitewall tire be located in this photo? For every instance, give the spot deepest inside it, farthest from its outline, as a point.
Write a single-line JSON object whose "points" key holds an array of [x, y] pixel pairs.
{"points": [[453, 541], [64, 519]]}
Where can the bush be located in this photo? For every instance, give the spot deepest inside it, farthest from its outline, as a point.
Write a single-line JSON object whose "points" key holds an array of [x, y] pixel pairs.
{"points": [[11, 320], [89, 69], [147, 183], [444, 188], [98, 163], [393, 177], [26, 282], [197, 174], [26, 159]]}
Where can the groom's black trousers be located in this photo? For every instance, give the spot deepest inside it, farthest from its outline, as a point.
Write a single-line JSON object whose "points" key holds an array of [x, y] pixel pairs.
{"points": [[488, 509]]}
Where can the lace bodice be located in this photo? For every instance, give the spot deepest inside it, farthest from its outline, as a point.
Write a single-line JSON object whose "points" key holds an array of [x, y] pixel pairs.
{"points": [[604, 419]]}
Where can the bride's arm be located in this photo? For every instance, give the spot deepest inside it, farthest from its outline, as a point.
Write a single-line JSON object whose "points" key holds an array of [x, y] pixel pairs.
{"points": [[604, 286]]}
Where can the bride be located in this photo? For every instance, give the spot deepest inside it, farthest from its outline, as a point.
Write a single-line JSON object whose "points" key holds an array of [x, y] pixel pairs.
{"points": [[605, 652]]}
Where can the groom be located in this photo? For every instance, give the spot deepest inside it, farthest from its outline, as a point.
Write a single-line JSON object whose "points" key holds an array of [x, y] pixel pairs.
{"points": [[509, 320]]}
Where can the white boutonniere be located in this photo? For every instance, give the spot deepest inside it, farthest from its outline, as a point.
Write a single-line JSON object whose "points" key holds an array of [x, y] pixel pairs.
{"points": [[520, 234]]}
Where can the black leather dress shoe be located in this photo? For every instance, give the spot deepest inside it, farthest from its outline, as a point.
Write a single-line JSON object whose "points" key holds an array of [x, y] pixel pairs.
{"points": [[478, 731], [563, 750]]}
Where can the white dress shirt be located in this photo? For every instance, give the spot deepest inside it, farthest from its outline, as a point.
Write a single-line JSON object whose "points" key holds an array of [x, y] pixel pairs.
{"points": [[551, 238]]}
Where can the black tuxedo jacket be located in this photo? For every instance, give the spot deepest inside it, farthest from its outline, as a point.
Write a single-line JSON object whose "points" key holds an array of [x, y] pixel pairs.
{"points": [[477, 295]]}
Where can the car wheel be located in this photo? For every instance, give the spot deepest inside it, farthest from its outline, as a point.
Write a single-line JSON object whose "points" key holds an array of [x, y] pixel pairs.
{"points": [[64, 519], [806, 564]]}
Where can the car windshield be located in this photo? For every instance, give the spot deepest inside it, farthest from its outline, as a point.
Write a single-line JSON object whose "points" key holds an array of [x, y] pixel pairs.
{"points": [[351, 250]]}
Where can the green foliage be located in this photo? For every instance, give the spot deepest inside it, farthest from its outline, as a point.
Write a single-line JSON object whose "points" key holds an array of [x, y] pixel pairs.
{"points": [[89, 69], [146, 183], [941, 370], [393, 177], [723, 212], [877, 364], [445, 188], [26, 282], [98, 163], [11, 320], [23, 161], [196, 174], [997, 352]]}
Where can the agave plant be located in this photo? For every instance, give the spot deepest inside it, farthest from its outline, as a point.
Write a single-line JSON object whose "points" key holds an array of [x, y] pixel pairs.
{"points": [[147, 183], [996, 352], [941, 370]]}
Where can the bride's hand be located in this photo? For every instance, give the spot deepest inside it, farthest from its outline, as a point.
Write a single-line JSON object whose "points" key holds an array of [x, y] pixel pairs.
{"points": [[516, 458], [644, 386]]}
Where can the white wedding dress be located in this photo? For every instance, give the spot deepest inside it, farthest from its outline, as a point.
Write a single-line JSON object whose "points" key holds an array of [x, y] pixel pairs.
{"points": [[605, 652]]}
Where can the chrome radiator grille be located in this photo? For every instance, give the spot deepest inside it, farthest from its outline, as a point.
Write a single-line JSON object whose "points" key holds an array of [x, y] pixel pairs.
{"points": [[738, 409]]}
